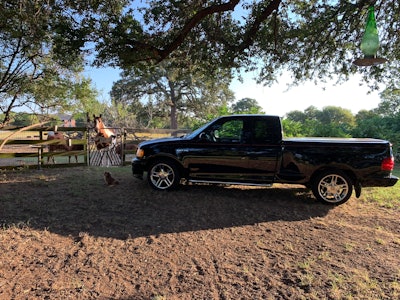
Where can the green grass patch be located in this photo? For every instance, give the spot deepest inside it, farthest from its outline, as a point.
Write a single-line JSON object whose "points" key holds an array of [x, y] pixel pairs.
{"points": [[388, 197]]}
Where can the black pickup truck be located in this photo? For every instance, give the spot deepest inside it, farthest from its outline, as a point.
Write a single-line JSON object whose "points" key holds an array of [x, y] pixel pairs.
{"points": [[250, 150]]}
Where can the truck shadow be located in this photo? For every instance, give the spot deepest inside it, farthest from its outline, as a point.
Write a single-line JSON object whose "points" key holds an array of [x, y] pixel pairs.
{"points": [[132, 209]]}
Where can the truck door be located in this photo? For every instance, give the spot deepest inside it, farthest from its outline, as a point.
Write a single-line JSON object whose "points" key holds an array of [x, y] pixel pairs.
{"points": [[219, 153], [265, 148]]}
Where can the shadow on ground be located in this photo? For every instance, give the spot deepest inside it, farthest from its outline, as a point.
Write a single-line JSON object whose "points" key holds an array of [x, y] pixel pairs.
{"points": [[69, 202]]}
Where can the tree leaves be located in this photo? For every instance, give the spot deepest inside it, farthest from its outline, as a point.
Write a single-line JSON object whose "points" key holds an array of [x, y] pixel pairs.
{"points": [[314, 40]]}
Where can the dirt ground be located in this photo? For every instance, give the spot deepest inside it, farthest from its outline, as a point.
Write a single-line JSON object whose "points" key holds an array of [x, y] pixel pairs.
{"points": [[65, 235]]}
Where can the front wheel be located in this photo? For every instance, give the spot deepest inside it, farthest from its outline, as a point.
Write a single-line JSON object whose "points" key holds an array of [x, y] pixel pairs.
{"points": [[332, 187], [163, 175]]}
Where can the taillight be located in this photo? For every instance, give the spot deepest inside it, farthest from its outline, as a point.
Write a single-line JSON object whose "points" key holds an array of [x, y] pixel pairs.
{"points": [[387, 164]]}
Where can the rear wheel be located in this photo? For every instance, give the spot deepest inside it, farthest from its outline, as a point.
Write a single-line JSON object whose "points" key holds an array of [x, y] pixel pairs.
{"points": [[332, 187], [163, 175]]}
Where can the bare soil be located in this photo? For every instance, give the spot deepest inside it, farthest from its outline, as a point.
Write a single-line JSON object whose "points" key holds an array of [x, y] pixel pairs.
{"points": [[66, 235]]}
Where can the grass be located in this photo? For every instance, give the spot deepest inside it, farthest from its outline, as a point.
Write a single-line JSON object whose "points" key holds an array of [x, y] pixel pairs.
{"points": [[384, 197]]}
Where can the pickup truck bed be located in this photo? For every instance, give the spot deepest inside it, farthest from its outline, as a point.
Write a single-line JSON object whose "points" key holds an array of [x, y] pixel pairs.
{"points": [[301, 157]]}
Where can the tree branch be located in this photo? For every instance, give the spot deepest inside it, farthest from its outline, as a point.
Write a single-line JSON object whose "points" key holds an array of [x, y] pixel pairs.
{"points": [[193, 22], [153, 53], [250, 34]]}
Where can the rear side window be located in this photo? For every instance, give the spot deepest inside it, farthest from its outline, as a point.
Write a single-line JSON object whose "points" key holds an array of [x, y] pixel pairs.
{"points": [[266, 131]]}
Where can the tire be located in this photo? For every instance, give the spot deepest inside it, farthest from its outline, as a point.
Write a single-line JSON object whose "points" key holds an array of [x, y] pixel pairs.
{"points": [[163, 175], [332, 187]]}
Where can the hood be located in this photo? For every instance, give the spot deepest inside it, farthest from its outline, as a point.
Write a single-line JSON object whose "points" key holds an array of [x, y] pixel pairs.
{"points": [[167, 140]]}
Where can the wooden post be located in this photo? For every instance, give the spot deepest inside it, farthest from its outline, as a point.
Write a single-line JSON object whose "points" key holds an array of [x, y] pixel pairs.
{"points": [[40, 157], [123, 140]]}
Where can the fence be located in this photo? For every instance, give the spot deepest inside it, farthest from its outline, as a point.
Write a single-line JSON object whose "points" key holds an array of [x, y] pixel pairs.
{"points": [[34, 148], [38, 148], [122, 149]]}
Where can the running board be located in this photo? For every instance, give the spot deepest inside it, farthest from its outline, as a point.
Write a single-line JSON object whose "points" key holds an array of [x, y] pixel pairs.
{"points": [[228, 182]]}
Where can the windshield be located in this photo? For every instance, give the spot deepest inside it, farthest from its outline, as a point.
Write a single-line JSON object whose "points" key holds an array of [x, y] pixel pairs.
{"points": [[197, 131]]}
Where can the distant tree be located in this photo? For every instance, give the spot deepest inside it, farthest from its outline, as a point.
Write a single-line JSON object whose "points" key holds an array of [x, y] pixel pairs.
{"points": [[390, 102], [296, 116], [292, 128], [330, 121], [312, 112], [335, 121], [171, 92], [23, 119], [369, 123], [373, 124], [304, 122], [119, 114], [246, 106]]}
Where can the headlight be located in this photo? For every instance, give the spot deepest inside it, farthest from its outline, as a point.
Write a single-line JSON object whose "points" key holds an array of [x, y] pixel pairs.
{"points": [[139, 153]]}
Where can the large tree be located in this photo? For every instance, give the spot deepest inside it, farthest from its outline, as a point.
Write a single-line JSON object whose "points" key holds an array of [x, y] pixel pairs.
{"points": [[173, 91], [40, 58], [311, 39]]}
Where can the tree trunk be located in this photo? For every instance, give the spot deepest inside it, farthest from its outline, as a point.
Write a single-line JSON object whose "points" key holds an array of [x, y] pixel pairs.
{"points": [[174, 121]]}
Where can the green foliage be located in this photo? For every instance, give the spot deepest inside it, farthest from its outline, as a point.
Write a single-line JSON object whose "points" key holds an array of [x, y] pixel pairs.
{"points": [[314, 41], [390, 101], [246, 106], [120, 114], [369, 124], [23, 119], [41, 58], [292, 128], [170, 95], [380, 123], [230, 130], [330, 121], [372, 124]]}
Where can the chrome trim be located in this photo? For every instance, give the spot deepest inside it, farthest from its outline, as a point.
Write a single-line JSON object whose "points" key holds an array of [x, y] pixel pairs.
{"points": [[229, 182]]}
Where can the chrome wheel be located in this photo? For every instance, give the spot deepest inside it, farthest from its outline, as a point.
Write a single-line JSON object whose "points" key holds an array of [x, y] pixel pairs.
{"points": [[333, 187], [163, 176]]}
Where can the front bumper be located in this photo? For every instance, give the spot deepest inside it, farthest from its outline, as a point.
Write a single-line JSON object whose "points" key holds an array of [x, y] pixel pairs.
{"points": [[138, 168]]}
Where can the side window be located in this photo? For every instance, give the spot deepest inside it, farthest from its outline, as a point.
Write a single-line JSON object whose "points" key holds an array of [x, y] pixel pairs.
{"points": [[230, 132], [264, 132]]}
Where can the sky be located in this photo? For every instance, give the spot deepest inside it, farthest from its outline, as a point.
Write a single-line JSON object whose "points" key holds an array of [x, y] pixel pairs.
{"points": [[277, 99]]}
